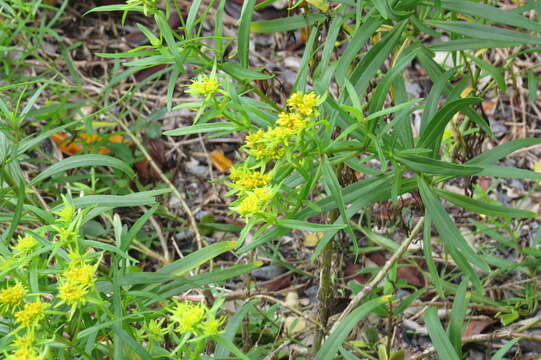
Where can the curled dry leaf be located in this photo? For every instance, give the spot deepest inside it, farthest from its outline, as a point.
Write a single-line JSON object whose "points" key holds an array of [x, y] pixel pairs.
{"points": [[476, 327], [294, 324], [73, 145], [311, 239], [220, 161]]}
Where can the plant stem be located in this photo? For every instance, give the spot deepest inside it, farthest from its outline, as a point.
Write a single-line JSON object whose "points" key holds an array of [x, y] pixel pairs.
{"points": [[381, 274], [324, 294]]}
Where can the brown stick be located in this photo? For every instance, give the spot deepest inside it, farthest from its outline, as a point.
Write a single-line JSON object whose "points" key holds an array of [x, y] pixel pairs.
{"points": [[381, 274]]}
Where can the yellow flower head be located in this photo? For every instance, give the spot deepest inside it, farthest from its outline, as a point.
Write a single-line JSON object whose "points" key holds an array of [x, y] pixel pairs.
{"points": [[255, 202], [155, 330], [80, 274], [248, 179], [266, 144], [72, 293], [212, 326], [24, 354], [292, 121], [304, 104], [24, 342], [25, 245], [204, 85], [188, 316], [66, 214], [31, 314], [147, 4], [13, 295], [66, 235]]}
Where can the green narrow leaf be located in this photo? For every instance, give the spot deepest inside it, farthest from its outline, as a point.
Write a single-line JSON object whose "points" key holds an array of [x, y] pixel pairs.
{"points": [[502, 151], [433, 99], [532, 87], [497, 74], [116, 201], [192, 17], [504, 349], [231, 329], [300, 81], [470, 44], [446, 227], [482, 207], [340, 334], [308, 226], [374, 59], [359, 38], [197, 258], [129, 344], [136, 227], [335, 190], [321, 73], [238, 71], [436, 126], [29, 143], [426, 165], [286, 24], [439, 338], [487, 32], [491, 13], [243, 40], [458, 313], [203, 128], [78, 161], [509, 172]]}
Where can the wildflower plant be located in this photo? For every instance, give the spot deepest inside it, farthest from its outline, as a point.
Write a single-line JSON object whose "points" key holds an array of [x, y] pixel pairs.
{"points": [[56, 291], [346, 138]]}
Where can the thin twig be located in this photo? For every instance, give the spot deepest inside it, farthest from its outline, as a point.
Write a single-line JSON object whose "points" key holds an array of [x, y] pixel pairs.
{"points": [[381, 274], [163, 242], [164, 178], [284, 305]]}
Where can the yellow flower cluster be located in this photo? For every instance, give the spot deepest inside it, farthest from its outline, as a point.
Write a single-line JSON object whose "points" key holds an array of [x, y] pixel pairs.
{"points": [[246, 179], [197, 319], [31, 313], [24, 348], [304, 104], [25, 245], [13, 295], [270, 144], [66, 214], [255, 202], [76, 283], [204, 85]]}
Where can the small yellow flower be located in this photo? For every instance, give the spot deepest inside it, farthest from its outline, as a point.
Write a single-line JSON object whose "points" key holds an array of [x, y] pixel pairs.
{"points": [[24, 354], [204, 85], [304, 104], [25, 245], [255, 202], [13, 295], [72, 293], [155, 330], [266, 144], [66, 214], [6, 263], [80, 274], [293, 121], [24, 342], [248, 179], [212, 326], [147, 5], [66, 235], [31, 313], [188, 316]]}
